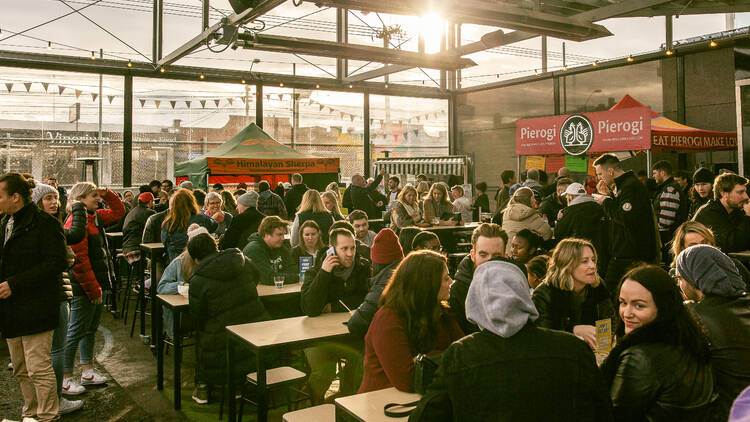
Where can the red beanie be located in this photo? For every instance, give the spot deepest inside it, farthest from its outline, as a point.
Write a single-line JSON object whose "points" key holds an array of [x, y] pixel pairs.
{"points": [[386, 249], [146, 197]]}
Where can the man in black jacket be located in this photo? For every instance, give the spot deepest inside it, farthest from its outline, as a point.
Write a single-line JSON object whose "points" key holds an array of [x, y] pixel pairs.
{"points": [[338, 285], [511, 370], [32, 259], [362, 195], [134, 225], [551, 205], [293, 198], [583, 218], [724, 214], [632, 226], [245, 223], [722, 307]]}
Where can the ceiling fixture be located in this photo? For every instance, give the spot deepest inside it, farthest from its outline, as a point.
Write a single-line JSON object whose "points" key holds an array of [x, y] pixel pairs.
{"points": [[669, 52], [713, 44], [162, 70], [281, 84], [630, 59], [595, 64], [49, 45], [317, 86], [130, 64], [243, 81], [93, 57]]}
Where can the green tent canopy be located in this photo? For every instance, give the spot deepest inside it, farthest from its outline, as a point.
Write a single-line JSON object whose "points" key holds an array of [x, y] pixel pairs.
{"points": [[253, 155]]}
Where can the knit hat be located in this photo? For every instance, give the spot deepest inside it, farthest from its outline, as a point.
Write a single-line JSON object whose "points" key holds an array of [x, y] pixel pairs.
{"points": [[218, 186], [186, 184], [498, 299], [40, 190], [385, 248], [575, 189], [707, 269], [703, 175], [146, 197], [195, 230], [249, 199]]}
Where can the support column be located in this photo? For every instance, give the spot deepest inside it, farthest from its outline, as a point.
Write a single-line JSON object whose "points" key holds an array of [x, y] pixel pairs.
{"points": [[127, 133], [342, 37], [259, 105], [206, 11], [544, 53], [669, 31], [160, 29], [170, 162], [155, 33], [367, 134]]}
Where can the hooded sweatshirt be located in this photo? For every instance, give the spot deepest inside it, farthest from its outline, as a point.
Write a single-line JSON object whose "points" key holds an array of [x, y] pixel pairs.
{"points": [[498, 299]]}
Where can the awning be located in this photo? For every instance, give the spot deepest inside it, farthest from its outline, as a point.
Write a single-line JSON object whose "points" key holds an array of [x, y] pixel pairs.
{"points": [[414, 166]]}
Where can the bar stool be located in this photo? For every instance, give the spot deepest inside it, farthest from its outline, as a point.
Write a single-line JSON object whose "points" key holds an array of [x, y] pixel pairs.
{"points": [[283, 377], [127, 292]]}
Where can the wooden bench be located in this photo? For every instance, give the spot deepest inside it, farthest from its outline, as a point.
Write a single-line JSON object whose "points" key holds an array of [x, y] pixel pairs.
{"points": [[322, 413]]}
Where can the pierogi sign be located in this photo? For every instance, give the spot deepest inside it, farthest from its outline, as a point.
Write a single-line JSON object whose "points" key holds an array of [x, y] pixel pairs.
{"points": [[579, 134]]}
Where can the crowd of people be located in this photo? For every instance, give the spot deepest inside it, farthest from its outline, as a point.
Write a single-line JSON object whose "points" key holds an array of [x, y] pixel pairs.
{"points": [[516, 326]]}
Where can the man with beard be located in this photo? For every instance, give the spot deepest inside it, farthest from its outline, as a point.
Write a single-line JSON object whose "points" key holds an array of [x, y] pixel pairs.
{"points": [[725, 215]]}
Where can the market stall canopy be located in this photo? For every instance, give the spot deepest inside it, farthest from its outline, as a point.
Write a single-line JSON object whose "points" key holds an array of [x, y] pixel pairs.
{"points": [[253, 151], [669, 135]]}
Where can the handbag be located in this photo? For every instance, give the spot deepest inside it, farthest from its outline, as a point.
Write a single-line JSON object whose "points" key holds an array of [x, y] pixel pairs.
{"points": [[424, 372]]}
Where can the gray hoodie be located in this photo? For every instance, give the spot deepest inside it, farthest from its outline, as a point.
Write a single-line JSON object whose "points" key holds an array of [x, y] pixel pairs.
{"points": [[498, 300]]}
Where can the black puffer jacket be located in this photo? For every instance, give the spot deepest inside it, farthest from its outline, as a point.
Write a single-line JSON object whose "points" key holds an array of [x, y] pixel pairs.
{"points": [[534, 375], [293, 198], [223, 292], [558, 310], [240, 229], [583, 220], [655, 381], [133, 227], [32, 262], [152, 232], [732, 231], [321, 288], [360, 320], [77, 230], [727, 324]]}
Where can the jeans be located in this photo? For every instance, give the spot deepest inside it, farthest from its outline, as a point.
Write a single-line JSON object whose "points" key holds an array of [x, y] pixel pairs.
{"points": [[32, 368], [84, 320], [58, 344]]}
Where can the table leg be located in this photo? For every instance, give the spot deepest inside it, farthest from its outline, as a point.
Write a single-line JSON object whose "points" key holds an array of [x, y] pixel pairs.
{"points": [[152, 292], [142, 297], [177, 340], [159, 350], [262, 390], [230, 382]]}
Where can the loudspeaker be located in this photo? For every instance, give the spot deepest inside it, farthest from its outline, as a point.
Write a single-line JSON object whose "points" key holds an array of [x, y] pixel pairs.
{"points": [[240, 6]]}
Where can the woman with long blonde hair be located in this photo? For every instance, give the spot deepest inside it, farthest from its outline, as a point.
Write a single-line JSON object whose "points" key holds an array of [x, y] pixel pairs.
{"points": [[331, 202], [438, 206], [183, 212], [406, 211], [572, 297], [312, 208]]}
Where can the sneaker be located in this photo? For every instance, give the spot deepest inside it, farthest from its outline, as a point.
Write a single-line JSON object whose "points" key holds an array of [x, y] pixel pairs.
{"points": [[200, 394], [91, 377], [71, 388], [10, 366], [29, 420], [69, 406]]}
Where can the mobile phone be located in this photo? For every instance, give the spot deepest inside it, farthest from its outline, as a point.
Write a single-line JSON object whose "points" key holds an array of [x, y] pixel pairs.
{"points": [[331, 251]]}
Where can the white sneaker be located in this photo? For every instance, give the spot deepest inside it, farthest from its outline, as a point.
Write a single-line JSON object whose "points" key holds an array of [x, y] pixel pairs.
{"points": [[91, 377], [68, 406], [71, 388], [29, 420], [10, 366]]}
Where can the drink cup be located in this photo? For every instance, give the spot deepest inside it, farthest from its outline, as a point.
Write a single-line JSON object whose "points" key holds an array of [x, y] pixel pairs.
{"points": [[435, 221], [278, 281]]}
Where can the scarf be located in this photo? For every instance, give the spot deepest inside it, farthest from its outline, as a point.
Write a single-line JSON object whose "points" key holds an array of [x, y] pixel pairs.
{"points": [[411, 211]]}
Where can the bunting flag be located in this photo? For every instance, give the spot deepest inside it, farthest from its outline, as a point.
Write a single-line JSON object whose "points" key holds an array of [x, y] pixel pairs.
{"points": [[78, 93], [320, 107], [27, 85], [341, 115], [243, 100], [157, 103], [268, 96], [187, 103], [110, 98], [9, 86], [418, 118], [173, 103], [203, 103], [351, 116], [61, 89], [94, 96], [230, 99], [45, 85], [142, 101], [217, 102]]}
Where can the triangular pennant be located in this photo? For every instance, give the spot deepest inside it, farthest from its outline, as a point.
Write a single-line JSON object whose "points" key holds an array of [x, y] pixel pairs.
{"points": [[341, 114], [372, 122], [381, 122], [401, 122], [9, 86], [187, 103], [27, 85], [45, 85], [157, 103], [110, 98], [203, 103], [173, 103], [78, 93], [142, 101], [416, 132], [351, 117], [229, 100], [330, 110], [268, 97], [418, 118], [320, 107], [217, 102], [94, 96], [242, 99], [60, 88]]}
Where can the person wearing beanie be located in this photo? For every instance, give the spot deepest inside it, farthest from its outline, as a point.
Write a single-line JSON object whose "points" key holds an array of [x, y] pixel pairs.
{"points": [[701, 191], [244, 224], [134, 225], [412, 320], [186, 184], [505, 368], [386, 254], [722, 307], [338, 283], [583, 218]]}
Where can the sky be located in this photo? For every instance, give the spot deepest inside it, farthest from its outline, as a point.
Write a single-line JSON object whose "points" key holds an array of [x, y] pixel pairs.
{"points": [[124, 32]]}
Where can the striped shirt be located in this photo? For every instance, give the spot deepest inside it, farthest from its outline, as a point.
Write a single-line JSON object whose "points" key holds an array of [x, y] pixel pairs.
{"points": [[669, 203]]}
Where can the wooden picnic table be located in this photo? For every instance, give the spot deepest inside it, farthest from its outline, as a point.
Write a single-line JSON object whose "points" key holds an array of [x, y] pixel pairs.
{"points": [[368, 407]]}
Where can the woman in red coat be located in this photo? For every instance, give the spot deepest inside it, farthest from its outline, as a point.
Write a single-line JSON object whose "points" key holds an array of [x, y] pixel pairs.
{"points": [[90, 274], [411, 320]]}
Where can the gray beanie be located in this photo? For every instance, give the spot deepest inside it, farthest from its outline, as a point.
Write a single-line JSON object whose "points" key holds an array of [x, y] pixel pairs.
{"points": [[186, 184], [709, 270], [40, 190], [249, 199]]}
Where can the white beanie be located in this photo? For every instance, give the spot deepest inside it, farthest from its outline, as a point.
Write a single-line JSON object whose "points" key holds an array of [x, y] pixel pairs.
{"points": [[40, 190]]}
